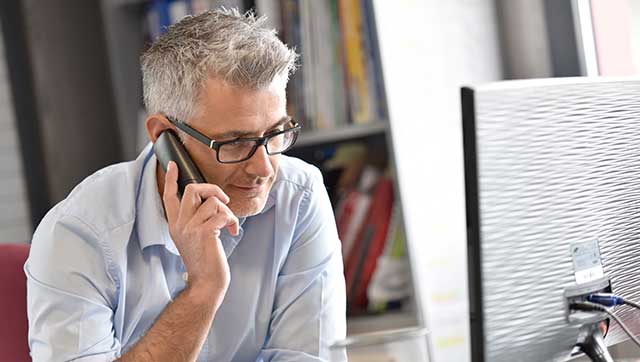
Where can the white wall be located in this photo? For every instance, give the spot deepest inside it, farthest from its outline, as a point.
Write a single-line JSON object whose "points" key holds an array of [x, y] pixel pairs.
{"points": [[15, 224], [429, 49], [635, 37]]}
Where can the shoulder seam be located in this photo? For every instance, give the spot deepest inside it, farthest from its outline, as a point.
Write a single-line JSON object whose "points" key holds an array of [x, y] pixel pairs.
{"points": [[106, 251]]}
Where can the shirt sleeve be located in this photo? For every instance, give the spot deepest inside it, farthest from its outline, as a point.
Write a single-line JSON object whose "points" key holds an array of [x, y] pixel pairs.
{"points": [[70, 294], [309, 312]]}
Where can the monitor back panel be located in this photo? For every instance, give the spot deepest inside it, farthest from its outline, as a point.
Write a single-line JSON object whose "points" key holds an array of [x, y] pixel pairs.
{"points": [[556, 163]]}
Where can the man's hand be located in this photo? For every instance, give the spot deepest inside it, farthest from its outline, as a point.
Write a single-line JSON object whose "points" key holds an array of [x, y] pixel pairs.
{"points": [[195, 224]]}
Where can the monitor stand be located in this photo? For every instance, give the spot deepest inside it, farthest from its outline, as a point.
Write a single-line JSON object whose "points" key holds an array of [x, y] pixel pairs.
{"points": [[593, 345]]}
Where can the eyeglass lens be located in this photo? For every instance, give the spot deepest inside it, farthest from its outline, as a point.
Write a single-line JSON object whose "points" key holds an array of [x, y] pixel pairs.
{"points": [[242, 149]]}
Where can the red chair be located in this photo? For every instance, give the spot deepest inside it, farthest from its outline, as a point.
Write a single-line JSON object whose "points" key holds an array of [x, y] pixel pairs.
{"points": [[14, 326]]}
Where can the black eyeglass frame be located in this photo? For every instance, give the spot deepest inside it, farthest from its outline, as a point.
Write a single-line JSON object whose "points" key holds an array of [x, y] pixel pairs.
{"points": [[259, 141]]}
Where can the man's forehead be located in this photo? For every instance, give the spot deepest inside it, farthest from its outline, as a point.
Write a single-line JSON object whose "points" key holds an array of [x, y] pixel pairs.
{"points": [[230, 131], [228, 111]]}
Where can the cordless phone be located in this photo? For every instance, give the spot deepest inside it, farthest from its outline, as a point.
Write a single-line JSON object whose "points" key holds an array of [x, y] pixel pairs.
{"points": [[169, 148]]}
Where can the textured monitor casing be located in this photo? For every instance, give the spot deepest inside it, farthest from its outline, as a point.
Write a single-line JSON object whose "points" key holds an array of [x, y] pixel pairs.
{"points": [[548, 163]]}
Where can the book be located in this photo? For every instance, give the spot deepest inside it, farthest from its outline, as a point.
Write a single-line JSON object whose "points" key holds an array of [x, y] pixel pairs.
{"points": [[374, 65], [161, 14], [328, 108], [377, 227], [291, 34], [353, 208], [357, 75], [308, 63], [350, 217], [369, 245], [390, 285]]}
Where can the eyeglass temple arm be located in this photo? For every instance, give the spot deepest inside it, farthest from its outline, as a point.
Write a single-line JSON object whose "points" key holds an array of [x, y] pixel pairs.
{"points": [[192, 132]]}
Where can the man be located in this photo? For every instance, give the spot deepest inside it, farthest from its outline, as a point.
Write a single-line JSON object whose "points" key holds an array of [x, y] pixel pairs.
{"points": [[245, 267]]}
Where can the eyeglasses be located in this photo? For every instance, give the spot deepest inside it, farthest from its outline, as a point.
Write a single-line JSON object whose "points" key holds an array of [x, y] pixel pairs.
{"points": [[242, 149]]}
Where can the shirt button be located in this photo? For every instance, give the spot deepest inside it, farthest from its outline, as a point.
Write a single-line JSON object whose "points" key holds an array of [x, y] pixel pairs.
{"points": [[185, 276]]}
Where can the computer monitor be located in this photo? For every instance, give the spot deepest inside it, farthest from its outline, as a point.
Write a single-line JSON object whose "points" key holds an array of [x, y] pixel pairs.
{"points": [[552, 172]]}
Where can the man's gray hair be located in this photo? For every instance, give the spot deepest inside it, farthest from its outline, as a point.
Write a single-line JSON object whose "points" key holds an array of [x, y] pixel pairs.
{"points": [[223, 44]]}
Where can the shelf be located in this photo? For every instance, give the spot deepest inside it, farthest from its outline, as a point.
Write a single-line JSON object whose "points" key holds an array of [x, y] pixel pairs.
{"points": [[316, 137], [125, 2], [382, 322]]}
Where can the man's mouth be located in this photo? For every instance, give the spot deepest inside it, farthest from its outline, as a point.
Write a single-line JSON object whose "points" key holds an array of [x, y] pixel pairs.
{"points": [[252, 189]]}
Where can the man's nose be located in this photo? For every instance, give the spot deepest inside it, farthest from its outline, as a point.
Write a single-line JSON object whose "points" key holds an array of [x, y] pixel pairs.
{"points": [[260, 163]]}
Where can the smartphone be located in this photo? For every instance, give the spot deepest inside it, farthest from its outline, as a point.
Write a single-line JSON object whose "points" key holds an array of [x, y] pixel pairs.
{"points": [[169, 148]]}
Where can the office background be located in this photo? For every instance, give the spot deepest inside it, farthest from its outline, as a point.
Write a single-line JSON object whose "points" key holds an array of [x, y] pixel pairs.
{"points": [[70, 104]]}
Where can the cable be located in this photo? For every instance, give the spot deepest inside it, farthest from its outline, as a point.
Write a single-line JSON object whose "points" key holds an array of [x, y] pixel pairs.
{"points": [[606, 299], [611, 300], [594, 307], [632, 304]]}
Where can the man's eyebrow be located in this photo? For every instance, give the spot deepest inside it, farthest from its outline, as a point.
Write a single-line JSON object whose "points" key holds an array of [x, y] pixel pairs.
{"points": [[237, 134]]}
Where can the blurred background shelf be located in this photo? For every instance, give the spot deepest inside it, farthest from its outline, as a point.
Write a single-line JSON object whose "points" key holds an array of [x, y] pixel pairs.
{"points": [[316, 137], [380, 322], [125, 2]]}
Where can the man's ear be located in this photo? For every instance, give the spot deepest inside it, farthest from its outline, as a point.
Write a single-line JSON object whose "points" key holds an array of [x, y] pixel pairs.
{"points": [[156, 123]]}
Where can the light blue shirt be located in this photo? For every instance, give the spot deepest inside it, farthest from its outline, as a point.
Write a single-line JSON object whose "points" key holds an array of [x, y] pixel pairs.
{"points": [[103, 267]]}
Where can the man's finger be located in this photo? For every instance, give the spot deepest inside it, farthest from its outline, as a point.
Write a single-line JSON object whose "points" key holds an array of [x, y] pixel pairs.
{"points": [[170, 195], [224, 217], [234, 228], [233, 224], [210, 190], [195, 195], [206, 211]]}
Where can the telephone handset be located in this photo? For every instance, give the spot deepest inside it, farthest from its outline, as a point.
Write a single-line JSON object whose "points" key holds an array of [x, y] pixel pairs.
{"points": [[169, 148]]}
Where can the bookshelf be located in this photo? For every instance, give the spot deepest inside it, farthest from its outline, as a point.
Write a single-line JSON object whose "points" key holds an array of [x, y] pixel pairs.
{"points": [[126, 2], [377, 323], [124, 22], [319, 137]]}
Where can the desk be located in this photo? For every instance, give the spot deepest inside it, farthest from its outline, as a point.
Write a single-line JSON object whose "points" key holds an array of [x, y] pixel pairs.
{"points": [[626, 351]]}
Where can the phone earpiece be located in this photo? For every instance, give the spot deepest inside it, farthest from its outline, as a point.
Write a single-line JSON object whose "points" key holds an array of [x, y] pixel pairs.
{"points": [[169, 148]]}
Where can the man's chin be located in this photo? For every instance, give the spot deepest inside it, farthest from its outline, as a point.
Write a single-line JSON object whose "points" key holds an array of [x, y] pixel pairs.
{"points": [[246, 208]]}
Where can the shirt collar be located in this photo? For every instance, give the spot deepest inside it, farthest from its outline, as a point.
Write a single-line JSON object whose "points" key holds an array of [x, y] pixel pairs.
{"points": [[151, 223]]}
